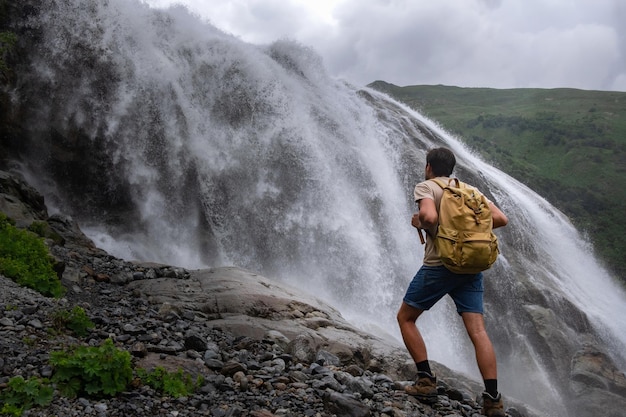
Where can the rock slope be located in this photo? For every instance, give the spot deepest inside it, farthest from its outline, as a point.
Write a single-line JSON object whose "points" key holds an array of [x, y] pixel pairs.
{"points": [[263, 348]]}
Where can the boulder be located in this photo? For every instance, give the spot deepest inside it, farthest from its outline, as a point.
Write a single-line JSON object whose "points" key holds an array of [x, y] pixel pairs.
{"points": [[251, 305], [597, 384]]}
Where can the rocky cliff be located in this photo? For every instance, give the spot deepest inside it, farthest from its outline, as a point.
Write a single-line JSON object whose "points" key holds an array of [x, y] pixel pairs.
{"points": [[263, 348]]}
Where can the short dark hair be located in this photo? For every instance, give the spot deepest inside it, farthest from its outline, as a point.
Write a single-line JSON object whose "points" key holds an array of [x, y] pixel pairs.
{"points": [[442, 161]]}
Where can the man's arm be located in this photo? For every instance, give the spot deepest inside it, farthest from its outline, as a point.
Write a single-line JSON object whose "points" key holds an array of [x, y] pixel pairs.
{"points": [[427, 216], [499, 218]]}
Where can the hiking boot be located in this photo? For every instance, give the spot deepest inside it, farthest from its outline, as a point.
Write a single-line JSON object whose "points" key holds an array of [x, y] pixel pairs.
{"points": [[424, 389], [493, 407]]}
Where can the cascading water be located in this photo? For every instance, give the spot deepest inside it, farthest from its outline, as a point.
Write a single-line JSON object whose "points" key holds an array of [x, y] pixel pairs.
{"points": [[199, 150]]}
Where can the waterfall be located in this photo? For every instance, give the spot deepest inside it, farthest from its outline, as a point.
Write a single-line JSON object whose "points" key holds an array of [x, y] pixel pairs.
{"points": [[171, 141]]}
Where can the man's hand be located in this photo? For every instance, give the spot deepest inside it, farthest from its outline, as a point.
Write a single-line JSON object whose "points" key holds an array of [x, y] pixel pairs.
{"points": [[415, 221]]}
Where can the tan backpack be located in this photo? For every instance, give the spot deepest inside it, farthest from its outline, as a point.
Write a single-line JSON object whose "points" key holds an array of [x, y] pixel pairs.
{"points": [[465, 241]]}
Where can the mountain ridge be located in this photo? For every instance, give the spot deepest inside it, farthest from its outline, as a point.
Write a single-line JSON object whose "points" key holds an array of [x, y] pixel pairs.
{"points": [[567, 144]]}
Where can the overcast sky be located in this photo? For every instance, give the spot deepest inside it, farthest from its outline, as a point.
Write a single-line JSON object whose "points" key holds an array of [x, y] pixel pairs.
{"points": [[467, 43]]}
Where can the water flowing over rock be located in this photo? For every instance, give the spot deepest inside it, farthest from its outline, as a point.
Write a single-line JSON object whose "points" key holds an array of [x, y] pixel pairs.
{"points": [[170, 141]]}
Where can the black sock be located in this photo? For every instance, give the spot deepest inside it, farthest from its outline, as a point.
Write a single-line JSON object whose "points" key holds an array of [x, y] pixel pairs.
{"points": [[491, 386], [423, 366]]}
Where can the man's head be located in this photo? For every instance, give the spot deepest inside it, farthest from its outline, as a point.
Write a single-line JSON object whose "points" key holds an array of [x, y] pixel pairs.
{"points": [[441, 162]]}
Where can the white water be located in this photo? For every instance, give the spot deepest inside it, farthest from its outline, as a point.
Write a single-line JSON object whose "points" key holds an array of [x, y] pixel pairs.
{"points": [[241, 155]]}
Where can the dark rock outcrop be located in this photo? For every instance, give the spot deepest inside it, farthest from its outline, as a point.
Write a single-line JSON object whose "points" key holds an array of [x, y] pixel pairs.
{"points": [[20, 201]]}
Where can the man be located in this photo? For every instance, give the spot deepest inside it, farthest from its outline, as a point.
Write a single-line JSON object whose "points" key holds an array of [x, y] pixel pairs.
{"points": [[433, 281]]}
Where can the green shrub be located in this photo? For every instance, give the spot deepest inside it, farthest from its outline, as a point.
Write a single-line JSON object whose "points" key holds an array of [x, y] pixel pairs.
{"points": [[39, 228], [21, 394], [44, 230], [76, 320], [175, 384], [95, 371], [25, 259]]}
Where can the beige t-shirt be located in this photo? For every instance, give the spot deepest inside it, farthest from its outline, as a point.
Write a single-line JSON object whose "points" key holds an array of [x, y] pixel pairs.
{"points": [[430, 189]]}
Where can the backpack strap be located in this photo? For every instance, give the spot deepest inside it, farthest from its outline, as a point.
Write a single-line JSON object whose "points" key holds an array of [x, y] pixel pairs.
{"points": [[443, 185]]}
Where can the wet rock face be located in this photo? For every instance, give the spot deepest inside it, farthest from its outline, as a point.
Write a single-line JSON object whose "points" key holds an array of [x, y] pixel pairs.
{"points": [[20, 201], [597, 384]]}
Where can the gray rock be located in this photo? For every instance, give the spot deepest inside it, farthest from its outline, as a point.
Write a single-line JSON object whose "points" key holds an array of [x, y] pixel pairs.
{"points": [[277, 337], [214, 363], [324, 357], [232, 368], [139, 350], [5, 321], [195, 342], [36, 323], [345, 406]]}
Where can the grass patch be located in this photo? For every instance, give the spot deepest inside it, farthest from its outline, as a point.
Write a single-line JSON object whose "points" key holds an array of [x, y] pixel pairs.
{"points": [[75, 320], [25, 259], [175, 384]]}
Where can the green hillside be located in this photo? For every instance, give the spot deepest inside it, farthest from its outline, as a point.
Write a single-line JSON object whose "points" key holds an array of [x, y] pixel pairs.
{"points": [[568, 145]]}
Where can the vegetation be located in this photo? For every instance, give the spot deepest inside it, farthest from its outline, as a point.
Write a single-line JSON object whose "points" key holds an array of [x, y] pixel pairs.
{"points": [[76, 320], [7, 42], [21, 395], [175, 384], [8, 39], [94, 371], [44, 230], [568, 145], [24, 258]]}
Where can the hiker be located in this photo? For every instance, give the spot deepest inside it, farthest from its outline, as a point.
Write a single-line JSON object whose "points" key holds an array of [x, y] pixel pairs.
{"points": [[434, 280]]}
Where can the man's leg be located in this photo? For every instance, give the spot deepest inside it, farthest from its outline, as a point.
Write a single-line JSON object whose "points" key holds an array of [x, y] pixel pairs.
{"points": [[485, 354], [425, 388], [407, 316], [486, 359]]}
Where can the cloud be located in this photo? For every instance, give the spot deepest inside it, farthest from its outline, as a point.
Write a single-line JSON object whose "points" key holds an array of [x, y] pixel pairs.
{"points": [[578, 57], [487, 43], [479, 43], [619, 83]]}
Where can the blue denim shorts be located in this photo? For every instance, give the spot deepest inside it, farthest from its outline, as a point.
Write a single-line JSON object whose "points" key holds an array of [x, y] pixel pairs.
{"points": [[432, 283]]}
